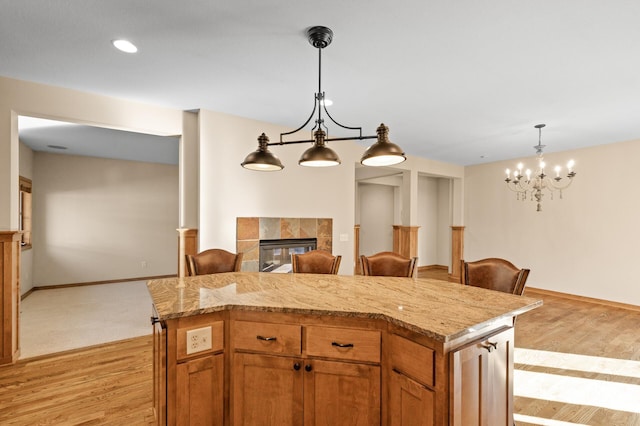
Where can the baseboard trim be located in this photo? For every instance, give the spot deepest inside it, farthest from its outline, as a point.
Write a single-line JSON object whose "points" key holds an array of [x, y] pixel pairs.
{"points": [[49, 287], [433, 268], [24, 296], [609, 303]]}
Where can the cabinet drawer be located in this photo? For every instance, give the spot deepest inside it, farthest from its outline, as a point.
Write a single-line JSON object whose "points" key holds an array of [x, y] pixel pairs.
{"points": [[413, 359], [267, 337], [343, 343]]}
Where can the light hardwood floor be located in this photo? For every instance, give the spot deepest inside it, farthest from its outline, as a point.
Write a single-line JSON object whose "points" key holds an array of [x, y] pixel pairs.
{"points": [[575, 360], [109, 384]]}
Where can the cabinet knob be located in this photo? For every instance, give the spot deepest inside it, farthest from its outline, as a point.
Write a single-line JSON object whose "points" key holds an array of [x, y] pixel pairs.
{"points": [[308, 367], [296, 366]]}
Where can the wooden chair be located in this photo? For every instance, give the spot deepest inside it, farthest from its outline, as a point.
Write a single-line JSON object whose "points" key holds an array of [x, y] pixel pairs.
{"points": [[388, 264], [213, 261], [315, 262], [495, 274]]}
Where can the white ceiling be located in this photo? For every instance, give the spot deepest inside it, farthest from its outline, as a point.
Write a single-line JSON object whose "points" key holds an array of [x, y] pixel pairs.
{"points": [[458, 81], [67, 138]]}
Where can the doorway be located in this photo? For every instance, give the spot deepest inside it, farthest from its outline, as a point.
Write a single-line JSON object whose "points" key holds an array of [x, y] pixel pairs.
{"points": [[105, 210]]}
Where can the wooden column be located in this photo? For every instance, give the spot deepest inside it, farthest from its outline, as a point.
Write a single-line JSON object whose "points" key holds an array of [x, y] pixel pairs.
{"points": [[9, 296], [457, 253], [405, 240], [187, 244]]}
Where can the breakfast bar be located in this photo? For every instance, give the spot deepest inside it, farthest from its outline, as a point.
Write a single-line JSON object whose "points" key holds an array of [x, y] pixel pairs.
{"points": [[249, 348]]}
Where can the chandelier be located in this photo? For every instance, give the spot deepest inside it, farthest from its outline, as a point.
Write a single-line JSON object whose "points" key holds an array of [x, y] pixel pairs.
{"points": [[534, 186], [382, 153]]}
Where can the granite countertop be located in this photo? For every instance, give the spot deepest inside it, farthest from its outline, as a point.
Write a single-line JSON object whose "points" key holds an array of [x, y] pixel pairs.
{"points": [[439, 309]]}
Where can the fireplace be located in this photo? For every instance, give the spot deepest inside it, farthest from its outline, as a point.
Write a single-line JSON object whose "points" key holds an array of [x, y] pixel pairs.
{"points": [[275, 255], [250, 231]]}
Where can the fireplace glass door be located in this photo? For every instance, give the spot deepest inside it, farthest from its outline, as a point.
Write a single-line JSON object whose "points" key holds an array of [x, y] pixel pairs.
{"points": [[275, 255]]}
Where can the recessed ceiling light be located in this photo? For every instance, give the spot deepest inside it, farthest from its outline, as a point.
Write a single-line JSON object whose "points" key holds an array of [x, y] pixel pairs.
{"points": [[124, 46]]}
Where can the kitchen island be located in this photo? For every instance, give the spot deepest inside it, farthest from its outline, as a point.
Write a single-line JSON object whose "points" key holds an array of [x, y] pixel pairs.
{"points": [[259, 348]]}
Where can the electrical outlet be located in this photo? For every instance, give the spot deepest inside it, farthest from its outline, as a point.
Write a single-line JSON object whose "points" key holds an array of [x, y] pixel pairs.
{"points": [[143, 264], [198, 340]]}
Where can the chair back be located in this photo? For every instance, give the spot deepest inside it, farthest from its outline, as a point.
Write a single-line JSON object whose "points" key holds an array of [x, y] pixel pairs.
{"points": [[315, 262], [213, 261], [495, 274], [388, 264]]}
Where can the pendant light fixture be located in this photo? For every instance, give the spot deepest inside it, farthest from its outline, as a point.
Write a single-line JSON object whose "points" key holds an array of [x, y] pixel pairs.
{"points": [[382, 153]]}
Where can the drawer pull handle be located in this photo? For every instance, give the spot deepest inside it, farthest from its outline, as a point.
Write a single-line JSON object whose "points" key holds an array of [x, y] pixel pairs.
{"points": [[266, 339], [490, 345], [155, 320], [342, 345]]}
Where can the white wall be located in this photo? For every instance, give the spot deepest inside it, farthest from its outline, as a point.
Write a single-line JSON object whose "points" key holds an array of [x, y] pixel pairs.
{"points": [[228, 191], [225, 190], [428, 221], [584, 244], [434, 219], [38, 100], [98, 219], [27, 98], [376, 217], [445, 221]]}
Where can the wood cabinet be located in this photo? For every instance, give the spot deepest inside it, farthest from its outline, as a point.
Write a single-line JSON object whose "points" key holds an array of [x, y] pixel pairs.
{"points": [[307, 370], [410, 403], [274, 390], [200, 391], [412, 383], [331, 377], [189, 370], [482, 382], [341, 393], [267, 390], [315, 372]]}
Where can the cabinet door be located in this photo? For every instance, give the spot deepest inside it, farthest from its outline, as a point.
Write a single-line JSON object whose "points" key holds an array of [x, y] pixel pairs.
{"points": [[410, 403], [482, 382], [200, 391], [340, 393], [267, 390]]}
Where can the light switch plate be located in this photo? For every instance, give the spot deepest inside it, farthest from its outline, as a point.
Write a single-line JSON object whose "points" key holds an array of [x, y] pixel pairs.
{"points": [[198, 340]]}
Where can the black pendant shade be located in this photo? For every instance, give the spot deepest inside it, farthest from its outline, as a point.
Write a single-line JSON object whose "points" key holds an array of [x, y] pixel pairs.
{"points": [[262, 159], [383, 152]]}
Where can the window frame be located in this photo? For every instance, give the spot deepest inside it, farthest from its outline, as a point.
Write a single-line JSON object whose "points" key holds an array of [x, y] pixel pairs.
{"points": [[25, 216]]}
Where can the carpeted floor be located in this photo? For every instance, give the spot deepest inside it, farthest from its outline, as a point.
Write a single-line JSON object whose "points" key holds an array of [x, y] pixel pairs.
{"points": [[55, 320]]}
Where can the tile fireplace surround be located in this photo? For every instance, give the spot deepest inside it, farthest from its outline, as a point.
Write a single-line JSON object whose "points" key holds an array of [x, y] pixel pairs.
{"points": [[250, 230]]}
